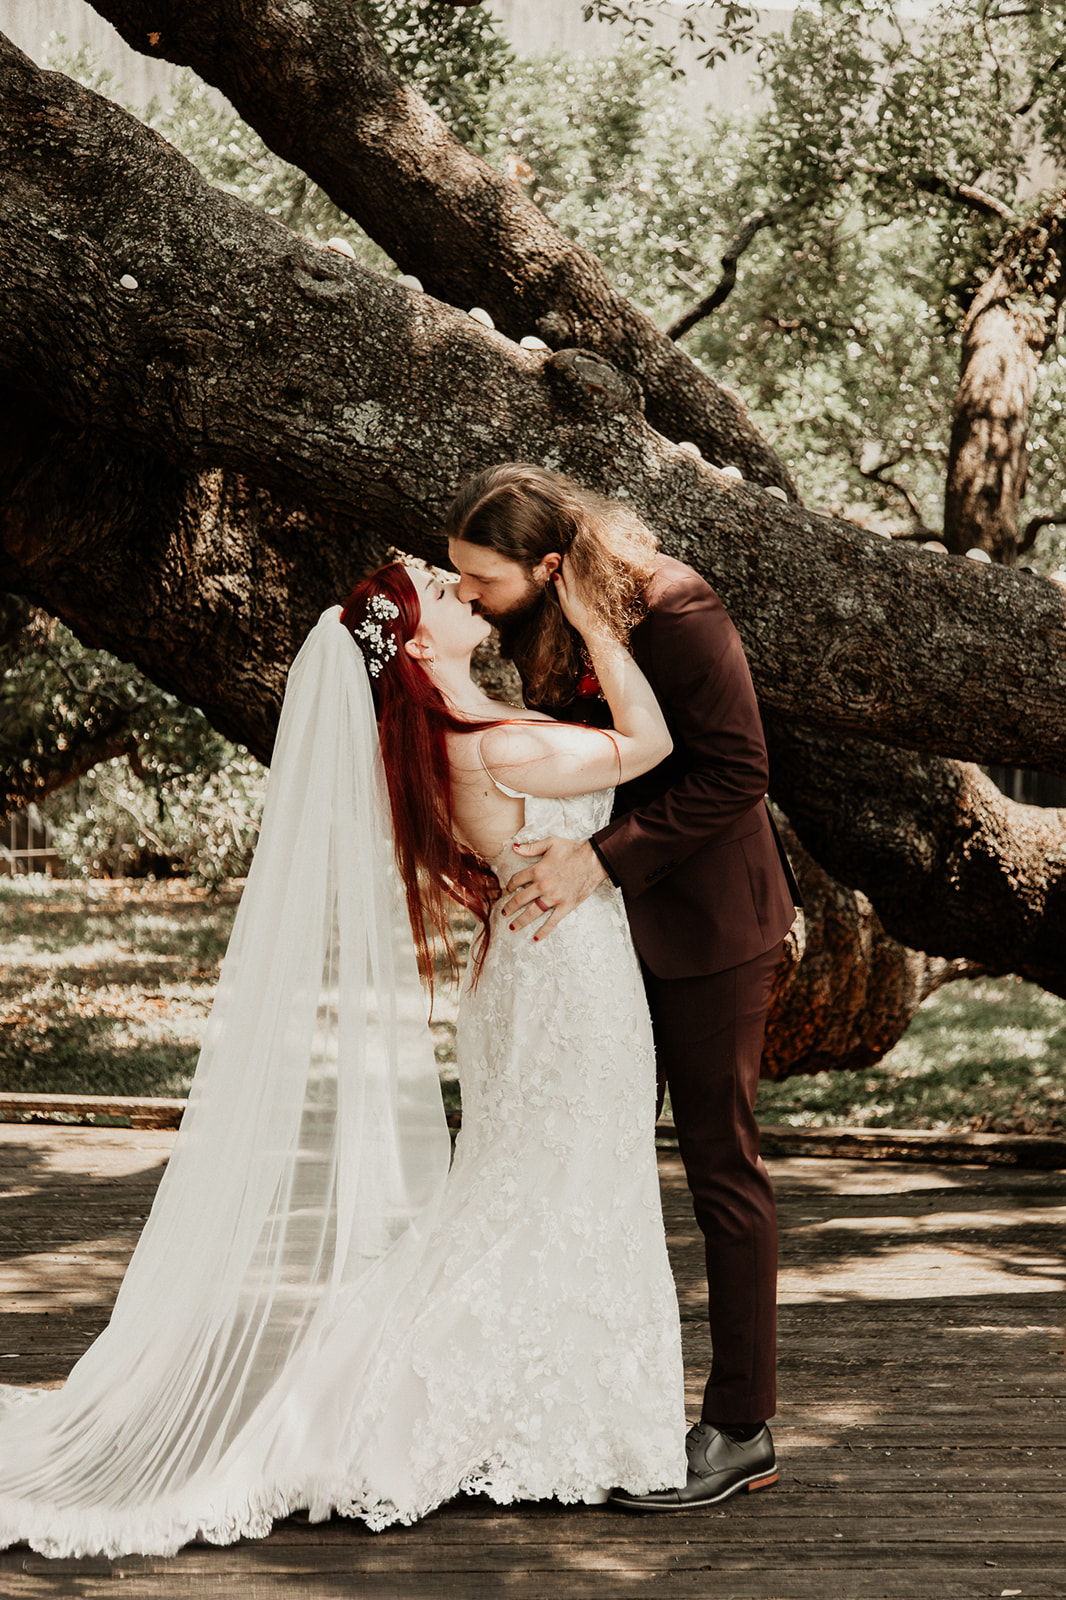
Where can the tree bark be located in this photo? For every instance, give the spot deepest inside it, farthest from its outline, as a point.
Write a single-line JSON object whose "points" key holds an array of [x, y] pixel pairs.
{"points": [[207, 582], [1012, 321], [319, 92], [845, 991], [245, 349]]}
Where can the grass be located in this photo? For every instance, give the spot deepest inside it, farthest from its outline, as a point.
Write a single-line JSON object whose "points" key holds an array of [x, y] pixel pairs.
{"points": [[987, 1056], [106, 987]]}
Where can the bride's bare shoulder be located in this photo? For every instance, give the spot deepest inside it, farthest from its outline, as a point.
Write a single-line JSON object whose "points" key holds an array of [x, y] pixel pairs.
{"points": [[466, 748], [529, 746]]}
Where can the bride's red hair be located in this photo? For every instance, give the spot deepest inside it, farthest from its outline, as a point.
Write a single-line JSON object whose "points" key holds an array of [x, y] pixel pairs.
{"points": [[413, 721]]}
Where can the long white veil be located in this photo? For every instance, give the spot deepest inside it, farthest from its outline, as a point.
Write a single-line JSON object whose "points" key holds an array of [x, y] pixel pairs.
{"points": [[313, 1143]]}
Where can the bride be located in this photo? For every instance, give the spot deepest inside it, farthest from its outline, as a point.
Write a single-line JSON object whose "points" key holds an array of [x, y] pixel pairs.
{"points": [[324, 1310]]}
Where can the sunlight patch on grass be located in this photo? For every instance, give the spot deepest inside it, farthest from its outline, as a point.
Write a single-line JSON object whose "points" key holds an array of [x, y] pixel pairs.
{"points": [[985, 1056], [106, 987]]}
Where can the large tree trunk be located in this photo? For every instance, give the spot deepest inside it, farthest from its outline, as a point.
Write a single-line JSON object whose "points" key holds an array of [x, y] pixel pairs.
{"points": [[193, 467], [318, 91], [1011, 322]]}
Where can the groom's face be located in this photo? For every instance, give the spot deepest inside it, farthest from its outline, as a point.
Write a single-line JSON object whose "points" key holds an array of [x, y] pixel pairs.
{"points": [[497, 588]]}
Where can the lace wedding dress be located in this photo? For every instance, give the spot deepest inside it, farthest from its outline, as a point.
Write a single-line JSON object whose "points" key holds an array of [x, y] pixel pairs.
{"points": [[543, 1357], [307, 1322]]}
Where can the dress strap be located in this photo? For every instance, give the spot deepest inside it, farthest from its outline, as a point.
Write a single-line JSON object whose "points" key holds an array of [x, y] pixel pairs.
{"points": [[513, 794]]}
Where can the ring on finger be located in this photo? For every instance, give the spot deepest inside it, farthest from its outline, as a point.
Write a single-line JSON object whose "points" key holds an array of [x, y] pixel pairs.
{"points": [[539, 902]]}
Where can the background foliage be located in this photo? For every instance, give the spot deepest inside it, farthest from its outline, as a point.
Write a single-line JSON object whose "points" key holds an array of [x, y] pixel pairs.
{"points": [[179, 799]]}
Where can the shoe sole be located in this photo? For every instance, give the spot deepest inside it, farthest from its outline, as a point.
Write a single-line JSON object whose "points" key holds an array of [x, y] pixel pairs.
{"points": [[764, 1480]]}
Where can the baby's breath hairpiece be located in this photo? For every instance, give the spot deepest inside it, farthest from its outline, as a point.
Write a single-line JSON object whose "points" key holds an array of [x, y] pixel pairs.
{"points": [[377, 646]]}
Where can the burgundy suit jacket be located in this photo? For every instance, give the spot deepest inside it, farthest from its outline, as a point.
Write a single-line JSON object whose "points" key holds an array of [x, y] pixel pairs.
{"points": [[691, 843]]}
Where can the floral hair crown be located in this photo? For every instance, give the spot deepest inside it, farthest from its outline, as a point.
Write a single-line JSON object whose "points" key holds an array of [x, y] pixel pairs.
{"points": [[377, 646]]}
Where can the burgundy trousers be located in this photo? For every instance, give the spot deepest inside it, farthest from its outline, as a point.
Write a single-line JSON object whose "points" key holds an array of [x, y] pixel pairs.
{"points": [[708, 1039]]}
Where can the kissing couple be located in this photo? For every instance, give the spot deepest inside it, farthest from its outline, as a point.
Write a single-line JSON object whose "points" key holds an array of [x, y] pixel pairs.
{"points": [[330, 1310]]}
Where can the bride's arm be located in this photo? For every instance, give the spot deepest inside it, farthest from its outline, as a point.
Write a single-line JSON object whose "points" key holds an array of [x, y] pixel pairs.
{"points": [[556, 758]]}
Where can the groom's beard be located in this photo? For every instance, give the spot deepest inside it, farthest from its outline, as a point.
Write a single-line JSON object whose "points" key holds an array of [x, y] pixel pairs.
{"points": [[526, 634], [521, 623]]}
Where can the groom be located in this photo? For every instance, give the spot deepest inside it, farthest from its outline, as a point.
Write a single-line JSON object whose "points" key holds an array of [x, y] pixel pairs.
{"points": [[693, 848]]}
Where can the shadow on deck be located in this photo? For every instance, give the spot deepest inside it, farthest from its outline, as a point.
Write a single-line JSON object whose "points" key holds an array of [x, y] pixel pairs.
{"points": [[921, 1428]]}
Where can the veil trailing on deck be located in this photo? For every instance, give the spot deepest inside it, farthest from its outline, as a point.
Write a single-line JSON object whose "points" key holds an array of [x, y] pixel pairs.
{"points": [[311, 1155]]}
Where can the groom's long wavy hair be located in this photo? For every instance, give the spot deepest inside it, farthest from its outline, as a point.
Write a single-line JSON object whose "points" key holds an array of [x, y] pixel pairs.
{"points": [[413, 722], [523, 513]]}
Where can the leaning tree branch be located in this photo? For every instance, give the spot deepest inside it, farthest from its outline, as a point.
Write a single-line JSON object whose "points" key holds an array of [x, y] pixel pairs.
{"points": [[1039, 82], [845, 991], [354, 408], [212, 586], [246, 349], [207, 581], [969, 194], [320, 93]]}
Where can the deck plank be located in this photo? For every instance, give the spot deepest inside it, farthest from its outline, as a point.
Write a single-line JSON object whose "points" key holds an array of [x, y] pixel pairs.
{"points": [[921, 1423]]}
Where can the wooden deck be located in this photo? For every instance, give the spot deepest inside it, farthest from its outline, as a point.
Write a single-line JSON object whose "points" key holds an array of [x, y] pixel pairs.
{"points": [[921, 1430]]}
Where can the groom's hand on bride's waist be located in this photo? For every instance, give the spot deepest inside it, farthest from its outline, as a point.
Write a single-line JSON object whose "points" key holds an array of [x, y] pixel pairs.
{"points": [[561, 873]]}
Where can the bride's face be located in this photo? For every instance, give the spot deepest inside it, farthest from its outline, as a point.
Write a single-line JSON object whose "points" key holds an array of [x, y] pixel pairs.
{"points": [[449, 627]]}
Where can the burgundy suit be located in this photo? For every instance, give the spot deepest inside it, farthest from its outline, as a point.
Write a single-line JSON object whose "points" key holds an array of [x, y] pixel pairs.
{"points": [[693, 848]]}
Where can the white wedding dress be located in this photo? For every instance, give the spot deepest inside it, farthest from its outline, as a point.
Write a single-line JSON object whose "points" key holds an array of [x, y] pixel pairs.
{"points": [[508, 1327], [538, 1352]]}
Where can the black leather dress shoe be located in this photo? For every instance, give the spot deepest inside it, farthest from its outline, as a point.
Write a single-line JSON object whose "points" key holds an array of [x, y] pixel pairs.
{"points": [[718, 1466]]}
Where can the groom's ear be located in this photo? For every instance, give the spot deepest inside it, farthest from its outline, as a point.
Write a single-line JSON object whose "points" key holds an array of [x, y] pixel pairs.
{"points": [[543, 571]]}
